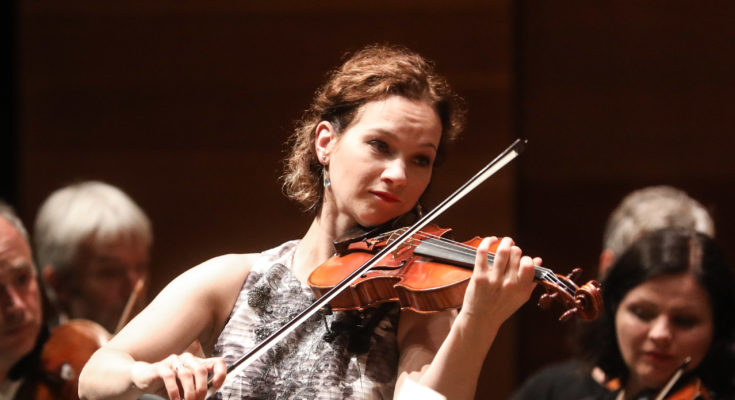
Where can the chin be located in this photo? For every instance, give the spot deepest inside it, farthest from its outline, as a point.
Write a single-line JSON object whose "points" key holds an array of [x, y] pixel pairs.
{"points": [[18, 347], [377, 217], [373, 221], [655, 379]]}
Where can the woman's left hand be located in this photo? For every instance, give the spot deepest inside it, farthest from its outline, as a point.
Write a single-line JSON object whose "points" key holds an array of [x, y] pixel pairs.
{"points": [[496, 291]]}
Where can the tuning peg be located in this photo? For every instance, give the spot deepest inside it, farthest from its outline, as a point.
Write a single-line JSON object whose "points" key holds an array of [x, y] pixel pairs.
{"points": [[544, 301], [568, 314], [575, 275]]}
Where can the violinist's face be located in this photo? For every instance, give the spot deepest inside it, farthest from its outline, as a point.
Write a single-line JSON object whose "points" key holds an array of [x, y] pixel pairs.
{"points": [[105, 274], [382, 162], [20, 299], [661, 322]]}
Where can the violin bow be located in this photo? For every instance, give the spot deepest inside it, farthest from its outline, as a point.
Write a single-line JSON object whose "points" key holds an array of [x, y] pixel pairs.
{"points": [[510, 153], [132, 300], [672, 381]]}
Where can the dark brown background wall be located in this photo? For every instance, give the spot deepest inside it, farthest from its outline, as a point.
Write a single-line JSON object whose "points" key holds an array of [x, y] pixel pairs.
{"points": [[186, 105], [615, 97]]}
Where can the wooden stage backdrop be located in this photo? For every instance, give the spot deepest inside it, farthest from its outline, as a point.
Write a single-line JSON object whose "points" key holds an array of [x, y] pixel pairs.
{"points": [[185, 105]]}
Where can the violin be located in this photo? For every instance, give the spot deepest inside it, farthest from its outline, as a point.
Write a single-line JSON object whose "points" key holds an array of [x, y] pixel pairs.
{"points": [[692, 390], [66, 351], [585, 301], [64, 354], [429, 272]]}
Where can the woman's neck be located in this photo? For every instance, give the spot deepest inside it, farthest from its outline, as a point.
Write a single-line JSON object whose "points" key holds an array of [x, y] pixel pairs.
{"points": [[317, 244]]}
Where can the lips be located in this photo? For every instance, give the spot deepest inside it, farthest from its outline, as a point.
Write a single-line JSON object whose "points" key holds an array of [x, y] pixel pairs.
{"points": [[657, 357], [385, 196], [16, 330]]}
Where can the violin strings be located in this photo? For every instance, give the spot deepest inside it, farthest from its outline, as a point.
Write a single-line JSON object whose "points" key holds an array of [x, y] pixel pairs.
{"points": [[467, 250]]}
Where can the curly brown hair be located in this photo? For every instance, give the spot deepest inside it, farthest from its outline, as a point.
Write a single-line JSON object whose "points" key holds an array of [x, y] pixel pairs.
{"points": [[371, 74]]}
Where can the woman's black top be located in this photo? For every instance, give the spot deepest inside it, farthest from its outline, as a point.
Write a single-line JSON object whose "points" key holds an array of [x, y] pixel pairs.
{"points": [[567, 381]]}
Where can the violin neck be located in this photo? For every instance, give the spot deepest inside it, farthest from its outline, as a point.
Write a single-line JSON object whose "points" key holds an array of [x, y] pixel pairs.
{"points": [[460, 255]]}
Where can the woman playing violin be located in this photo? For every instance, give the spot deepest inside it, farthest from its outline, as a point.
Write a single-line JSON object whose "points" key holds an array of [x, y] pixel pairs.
{"points": [[668, 298], [362, 155]]}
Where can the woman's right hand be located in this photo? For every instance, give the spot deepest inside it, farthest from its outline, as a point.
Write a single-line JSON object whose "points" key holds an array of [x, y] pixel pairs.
{"points": [[179, 377]]}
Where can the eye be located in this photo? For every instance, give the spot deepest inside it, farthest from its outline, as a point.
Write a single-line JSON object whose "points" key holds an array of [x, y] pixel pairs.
{"points": [[379, 145], [642, 313], [423, 161], [110, 271], [685, 321], [23, 278]]}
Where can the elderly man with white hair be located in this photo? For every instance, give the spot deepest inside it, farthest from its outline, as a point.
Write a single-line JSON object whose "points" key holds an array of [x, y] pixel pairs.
{"points": [[92, 243], [646, 210]]}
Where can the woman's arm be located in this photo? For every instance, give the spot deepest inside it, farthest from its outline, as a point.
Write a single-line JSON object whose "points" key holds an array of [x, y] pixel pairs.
{"points": [[446, 353], [143, 357]]}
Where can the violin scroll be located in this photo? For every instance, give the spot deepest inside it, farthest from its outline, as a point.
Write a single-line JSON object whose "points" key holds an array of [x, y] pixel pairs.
{"points": [[584, 302]]}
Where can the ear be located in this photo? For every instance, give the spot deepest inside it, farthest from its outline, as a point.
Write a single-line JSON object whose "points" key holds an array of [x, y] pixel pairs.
{"points": [[53, 281], [326, 139], [607, 258], [49, 276]]}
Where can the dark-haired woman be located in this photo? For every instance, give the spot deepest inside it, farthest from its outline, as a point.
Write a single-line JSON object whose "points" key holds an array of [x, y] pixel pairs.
{"points": [[362, 155], [669, 297]]}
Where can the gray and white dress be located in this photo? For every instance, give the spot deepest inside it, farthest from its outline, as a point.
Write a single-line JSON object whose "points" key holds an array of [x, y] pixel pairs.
{"points": [[355, 358]]}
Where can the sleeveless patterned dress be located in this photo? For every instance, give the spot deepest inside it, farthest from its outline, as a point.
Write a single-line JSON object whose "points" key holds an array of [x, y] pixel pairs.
{"points": [[342, 355]]}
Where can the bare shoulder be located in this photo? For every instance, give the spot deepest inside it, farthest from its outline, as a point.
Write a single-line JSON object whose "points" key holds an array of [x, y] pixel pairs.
{"points": [[220, 278], [226, 267]]}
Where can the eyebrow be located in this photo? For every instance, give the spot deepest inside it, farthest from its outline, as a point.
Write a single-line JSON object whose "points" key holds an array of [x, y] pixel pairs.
{"points": [[395, 137], [642, 302], [23, 265], [683, 308]]}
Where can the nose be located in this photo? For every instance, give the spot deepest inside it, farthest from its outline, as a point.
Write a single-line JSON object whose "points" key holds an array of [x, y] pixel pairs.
{"points": [[132, 276], [395, 171], [660, 332]]}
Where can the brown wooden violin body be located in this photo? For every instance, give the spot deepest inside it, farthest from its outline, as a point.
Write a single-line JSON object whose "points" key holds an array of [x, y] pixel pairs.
{"points": [[64, 354], [694, 390], [430, 273], [67, 349]]}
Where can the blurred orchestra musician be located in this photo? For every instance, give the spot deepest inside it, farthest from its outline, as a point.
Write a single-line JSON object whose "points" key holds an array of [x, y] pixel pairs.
{"points": [[21, 319], [647, 209], [657, 240], [93, 243]]}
